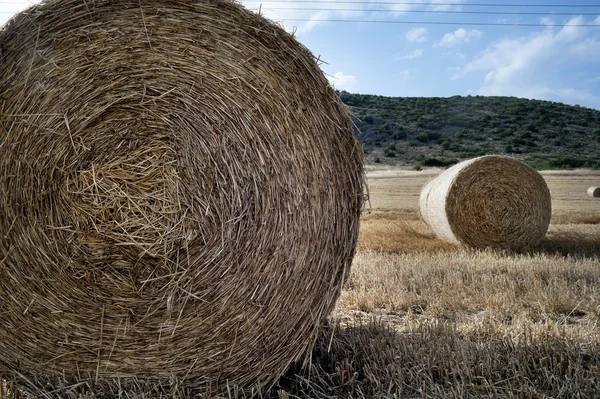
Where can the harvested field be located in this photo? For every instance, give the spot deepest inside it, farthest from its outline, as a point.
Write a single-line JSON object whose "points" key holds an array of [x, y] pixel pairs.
{"points": [[423, 318], [399, 188], [420, 318]]}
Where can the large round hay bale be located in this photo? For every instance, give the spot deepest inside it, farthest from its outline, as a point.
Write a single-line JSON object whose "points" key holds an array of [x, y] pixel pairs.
{"points": [[594, 192], [491, 201], [180, 192]]}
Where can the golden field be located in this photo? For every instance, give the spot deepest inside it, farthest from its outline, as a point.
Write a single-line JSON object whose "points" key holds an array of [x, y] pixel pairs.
{"points": [[420, 318]]}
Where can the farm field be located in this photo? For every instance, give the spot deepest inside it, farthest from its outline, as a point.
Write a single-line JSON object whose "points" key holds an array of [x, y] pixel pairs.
{"points": [[420, 318]]}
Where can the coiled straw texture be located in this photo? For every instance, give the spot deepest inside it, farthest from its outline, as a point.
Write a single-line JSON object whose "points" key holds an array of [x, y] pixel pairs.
{"points": [[491, 201], [180, 192]]}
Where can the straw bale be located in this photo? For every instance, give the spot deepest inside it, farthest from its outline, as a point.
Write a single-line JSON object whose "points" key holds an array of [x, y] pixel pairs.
{"points": [[594, 192], [491, 201], [180, 192]]}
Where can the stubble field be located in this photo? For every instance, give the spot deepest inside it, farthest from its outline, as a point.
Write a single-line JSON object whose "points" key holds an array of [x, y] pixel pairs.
{"points": [[420, 318]]}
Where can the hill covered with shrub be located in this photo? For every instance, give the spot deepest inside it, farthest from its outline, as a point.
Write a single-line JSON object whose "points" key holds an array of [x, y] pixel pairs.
{"points": [[434, 131]]}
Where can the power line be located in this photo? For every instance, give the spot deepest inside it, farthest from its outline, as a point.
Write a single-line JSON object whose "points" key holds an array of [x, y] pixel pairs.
{"points": [[436, 22], [394, 3], [425, 11], [399, 3], [427, 4]]}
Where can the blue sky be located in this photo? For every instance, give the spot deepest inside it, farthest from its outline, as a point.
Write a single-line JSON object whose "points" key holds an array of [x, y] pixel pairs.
{"points": [[557, 63]]}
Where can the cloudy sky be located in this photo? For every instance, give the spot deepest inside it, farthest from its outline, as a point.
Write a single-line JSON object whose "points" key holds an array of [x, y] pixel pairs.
{"points": [[446, 47]]}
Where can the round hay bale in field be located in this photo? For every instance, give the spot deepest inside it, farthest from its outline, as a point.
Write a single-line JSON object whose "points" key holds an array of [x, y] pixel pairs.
{"points": [[491, 201], [180, 194], [594, 192]]}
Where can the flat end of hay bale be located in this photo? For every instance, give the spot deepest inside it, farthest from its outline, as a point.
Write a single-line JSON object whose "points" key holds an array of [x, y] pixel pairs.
{"points": [[181, 193]]}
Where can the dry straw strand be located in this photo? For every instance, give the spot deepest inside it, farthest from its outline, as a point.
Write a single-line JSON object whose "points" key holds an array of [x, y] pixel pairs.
{"points": [[594, 192], [491, 201], [180, 192]]}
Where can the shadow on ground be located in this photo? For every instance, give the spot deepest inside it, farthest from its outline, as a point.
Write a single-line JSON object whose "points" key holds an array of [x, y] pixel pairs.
{"points": [[572, 244], [432, 359], [435, 360]]}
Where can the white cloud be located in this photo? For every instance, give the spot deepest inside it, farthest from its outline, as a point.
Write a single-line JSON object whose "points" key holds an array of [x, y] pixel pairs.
{"points": [[342, 81], [408, 74], [530, 66], [578, 95], [411, 56], [536, 91], [417, 35], [458, 37], [509, 59], [588, 48]]}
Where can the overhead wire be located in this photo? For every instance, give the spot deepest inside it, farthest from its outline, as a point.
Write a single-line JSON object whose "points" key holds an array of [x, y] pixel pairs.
{"points": [[428, 4], [267, 9], [438, 22], [423, 11], [395, 2]]}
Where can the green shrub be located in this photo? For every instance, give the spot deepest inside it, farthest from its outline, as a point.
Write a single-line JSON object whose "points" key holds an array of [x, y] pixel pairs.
{"points": [[572, 162], [433, 135], [422, 137], [390, 151], [399, 134], [439, 162]]}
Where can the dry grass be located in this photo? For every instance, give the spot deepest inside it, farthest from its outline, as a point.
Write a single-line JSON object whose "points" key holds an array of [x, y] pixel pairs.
{"points": [[462, 324], [419, 318], [398, 236], [576, 217], [474, 287], [399, 232], [433, 359], [435, 322]]}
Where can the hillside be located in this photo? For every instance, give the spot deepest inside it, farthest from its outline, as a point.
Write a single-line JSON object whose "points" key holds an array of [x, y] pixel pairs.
{"points": [[440, 131]]}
